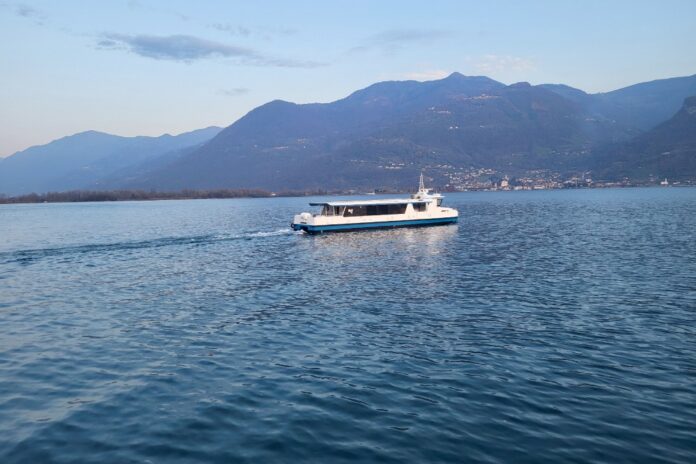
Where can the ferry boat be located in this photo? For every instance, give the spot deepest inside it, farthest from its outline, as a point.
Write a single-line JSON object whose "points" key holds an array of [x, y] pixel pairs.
{"points": [[421, 209]]}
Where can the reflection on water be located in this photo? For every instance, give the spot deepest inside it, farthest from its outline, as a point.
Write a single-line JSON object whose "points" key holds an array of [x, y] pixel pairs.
{"points": [[419, 241]]}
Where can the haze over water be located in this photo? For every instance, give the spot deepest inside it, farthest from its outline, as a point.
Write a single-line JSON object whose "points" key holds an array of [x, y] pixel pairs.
{"points": [[551, 326]]}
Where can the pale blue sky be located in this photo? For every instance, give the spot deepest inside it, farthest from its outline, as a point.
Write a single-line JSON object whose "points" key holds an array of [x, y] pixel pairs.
{"points": [[150, 67]]}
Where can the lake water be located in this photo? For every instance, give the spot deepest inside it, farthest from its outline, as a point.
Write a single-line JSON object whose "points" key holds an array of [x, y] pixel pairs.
{"points": [[555, 326]]}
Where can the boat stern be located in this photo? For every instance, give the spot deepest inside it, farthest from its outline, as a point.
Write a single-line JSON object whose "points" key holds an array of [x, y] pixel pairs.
{"points": [[301, 221]]}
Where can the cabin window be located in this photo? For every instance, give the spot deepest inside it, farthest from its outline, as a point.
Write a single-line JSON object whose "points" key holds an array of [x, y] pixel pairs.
{"points": [[374, 210], [419, 207], [439, 201], [379, 210], [397, 209], [355, 211]]}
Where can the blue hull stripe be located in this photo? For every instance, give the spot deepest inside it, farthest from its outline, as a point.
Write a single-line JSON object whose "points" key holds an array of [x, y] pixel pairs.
{"points": [[373, 225]]}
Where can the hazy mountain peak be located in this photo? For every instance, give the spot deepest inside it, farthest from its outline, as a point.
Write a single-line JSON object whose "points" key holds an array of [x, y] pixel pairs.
{"points": [[563, 88], [279, 102], [461, 77], [456, 75], [85, 135], [92, 132], [77, 160]]}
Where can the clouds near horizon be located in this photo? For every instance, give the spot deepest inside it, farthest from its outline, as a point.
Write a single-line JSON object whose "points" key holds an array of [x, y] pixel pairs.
{"points": [[488, 64], [427, 75], [395, 39], [26, 11], [234, 92], [188, 48]]}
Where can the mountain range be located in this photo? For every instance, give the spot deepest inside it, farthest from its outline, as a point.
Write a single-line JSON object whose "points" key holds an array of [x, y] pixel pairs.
{"points": [[84, 160], [456, 129]]}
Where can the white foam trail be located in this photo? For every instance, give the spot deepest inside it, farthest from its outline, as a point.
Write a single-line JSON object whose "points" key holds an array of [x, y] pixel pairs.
{"points": [[273, 233], [251, 235]]}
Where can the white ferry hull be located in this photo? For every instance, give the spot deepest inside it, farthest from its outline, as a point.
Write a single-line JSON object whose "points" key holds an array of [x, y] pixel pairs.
{"points": [[378, 224]]}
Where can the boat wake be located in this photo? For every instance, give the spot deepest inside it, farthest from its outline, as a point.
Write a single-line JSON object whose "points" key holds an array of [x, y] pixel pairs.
{"points": [[30, 256], [272, 233]]}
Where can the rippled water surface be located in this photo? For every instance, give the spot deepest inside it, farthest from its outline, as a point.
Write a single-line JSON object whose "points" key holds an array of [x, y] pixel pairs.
{"points": [[544, 327]]}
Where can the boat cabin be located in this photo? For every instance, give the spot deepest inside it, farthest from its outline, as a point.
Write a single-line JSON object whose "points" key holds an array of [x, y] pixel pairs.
{"points": [[371, 207]]}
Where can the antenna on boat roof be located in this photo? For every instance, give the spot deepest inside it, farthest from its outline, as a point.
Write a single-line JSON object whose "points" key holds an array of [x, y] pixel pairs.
{"points": [[421, 184]]}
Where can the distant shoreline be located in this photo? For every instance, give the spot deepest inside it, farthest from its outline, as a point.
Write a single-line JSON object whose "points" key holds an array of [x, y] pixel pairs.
{"points": [[96, 196], [90, 196]]}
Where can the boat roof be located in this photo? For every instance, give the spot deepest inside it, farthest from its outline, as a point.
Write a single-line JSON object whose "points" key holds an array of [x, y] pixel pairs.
{"points": [[386, 201]]}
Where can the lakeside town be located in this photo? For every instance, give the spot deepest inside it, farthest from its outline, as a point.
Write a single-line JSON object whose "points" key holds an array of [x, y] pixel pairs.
{"points": [[457, 179], [541, 182]]}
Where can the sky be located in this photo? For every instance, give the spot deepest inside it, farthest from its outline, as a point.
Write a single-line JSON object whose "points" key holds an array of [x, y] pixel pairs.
{"points": [[144, 67]]}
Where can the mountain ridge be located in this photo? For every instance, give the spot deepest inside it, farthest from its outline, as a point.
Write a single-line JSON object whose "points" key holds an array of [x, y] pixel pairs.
{"points": [[459, 128], [77, 160], [385, 133]]}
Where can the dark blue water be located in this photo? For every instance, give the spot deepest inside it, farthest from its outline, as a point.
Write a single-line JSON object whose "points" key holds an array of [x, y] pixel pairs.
{"points": [[551, 326]]}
